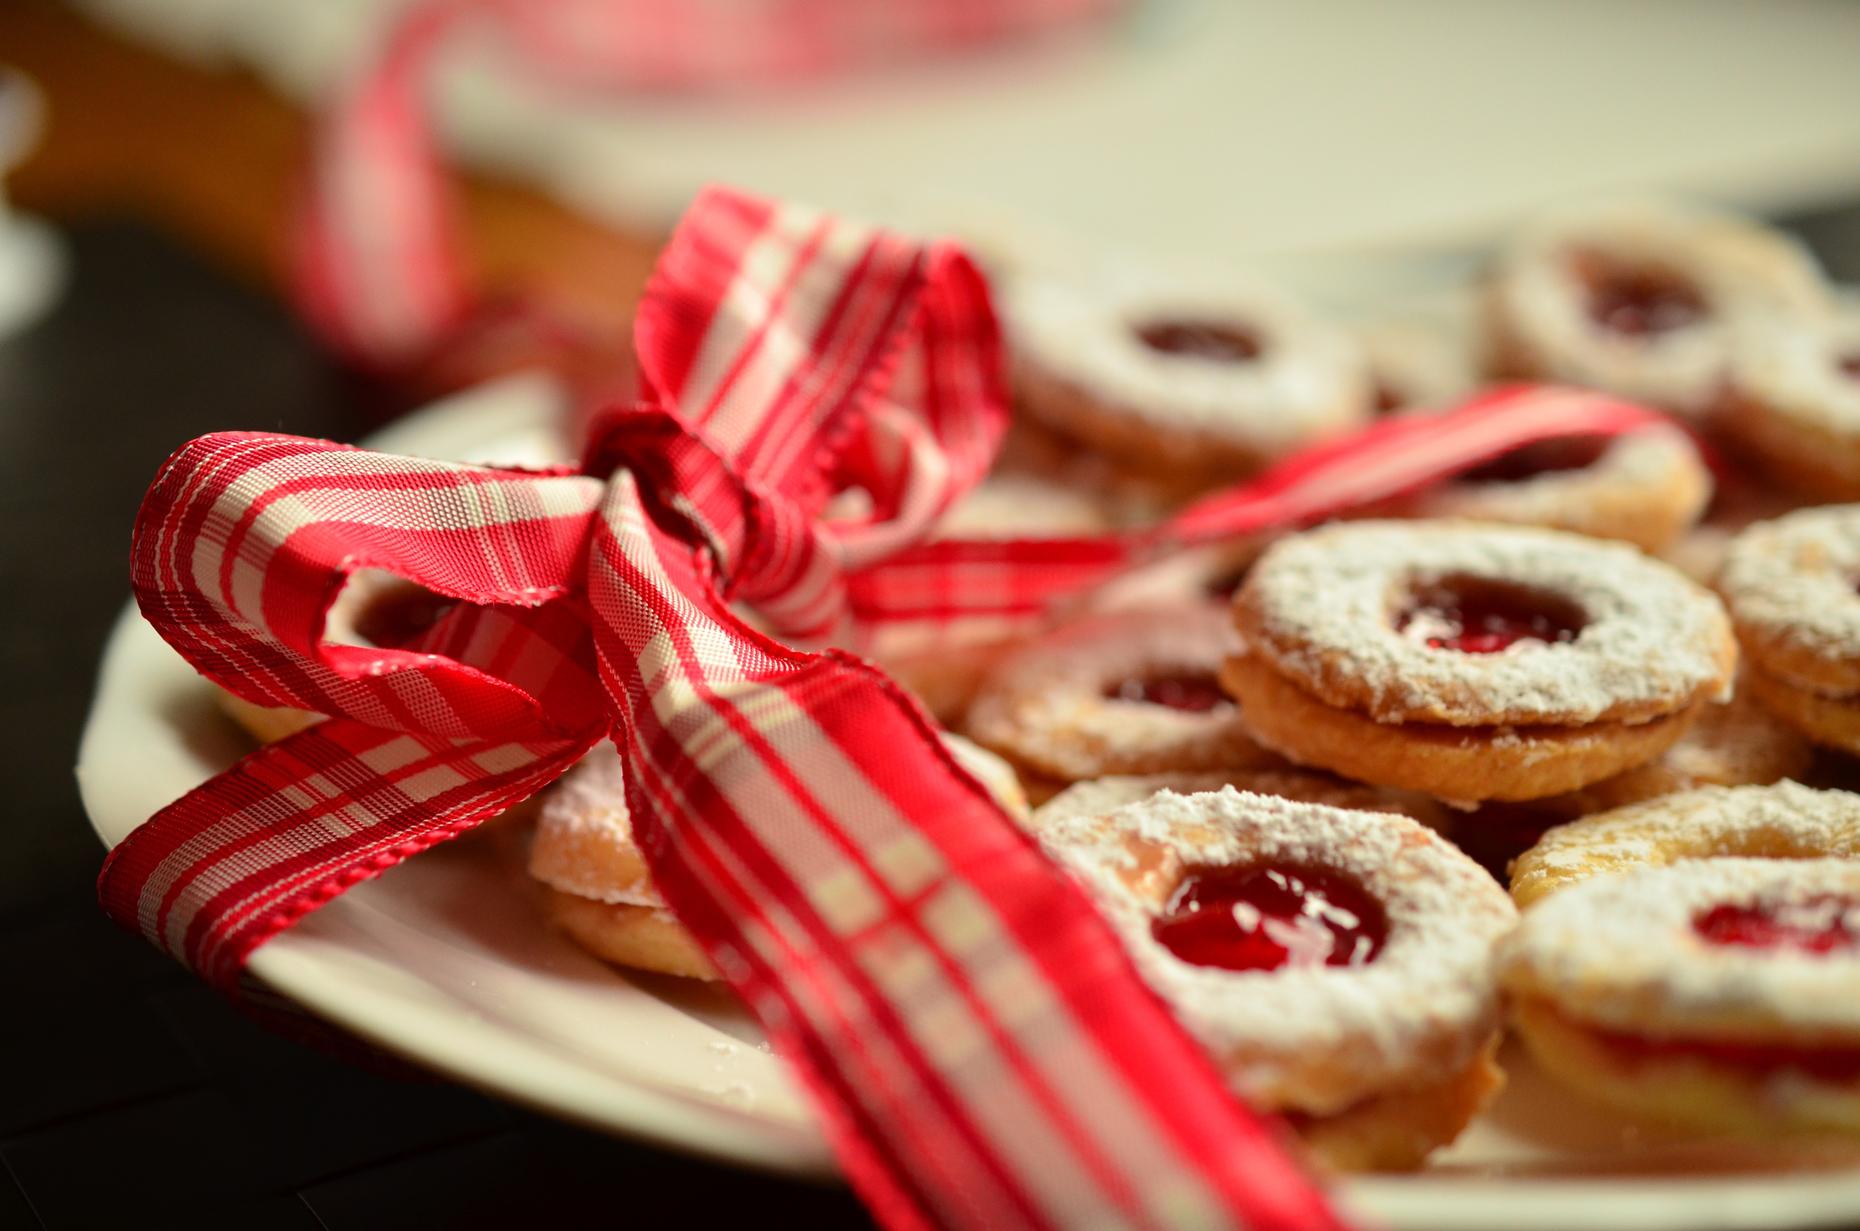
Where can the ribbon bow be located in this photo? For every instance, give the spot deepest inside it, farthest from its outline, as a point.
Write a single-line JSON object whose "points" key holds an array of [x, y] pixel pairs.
{"points": [[981, 1051]]}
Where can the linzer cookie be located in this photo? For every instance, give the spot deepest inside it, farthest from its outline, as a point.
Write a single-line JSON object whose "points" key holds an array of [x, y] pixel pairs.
{"points": [[1473, 662], [1123, 692], [1697, 958], [1790, 586], [1793, 402], [1335, 963], [1191, 383], [1646, 487], [598, 890], [1641, 299]]}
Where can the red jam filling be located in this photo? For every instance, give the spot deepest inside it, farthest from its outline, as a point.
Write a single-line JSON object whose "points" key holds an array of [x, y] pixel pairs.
{"points": [[1475, 616], [1265, 918], [1210, 340], [401, 616], [1850, 364], [1819, 924], [1193, 692], [1638, 301], [1544, 457]]}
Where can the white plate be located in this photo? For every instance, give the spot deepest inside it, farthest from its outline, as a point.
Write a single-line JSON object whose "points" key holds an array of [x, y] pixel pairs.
{"points": [[445, 960]]}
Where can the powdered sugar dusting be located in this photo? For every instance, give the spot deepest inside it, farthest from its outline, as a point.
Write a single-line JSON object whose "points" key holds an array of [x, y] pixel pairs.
{"points": [[1318, 1037], [1792, 368], [1325, 605], [1793, 580], [1308, 381], [587, 807], [1622, 951]]}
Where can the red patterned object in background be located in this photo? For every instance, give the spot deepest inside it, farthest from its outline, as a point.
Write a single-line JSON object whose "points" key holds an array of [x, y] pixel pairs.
{"points": [[380, 270], [980, 1051]]}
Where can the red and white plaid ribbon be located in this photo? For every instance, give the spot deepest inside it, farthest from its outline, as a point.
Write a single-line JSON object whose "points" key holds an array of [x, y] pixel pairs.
{"points": [[380, 270], [978, 1046]]}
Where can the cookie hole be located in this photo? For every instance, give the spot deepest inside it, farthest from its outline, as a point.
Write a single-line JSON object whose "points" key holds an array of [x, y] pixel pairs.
{"points": [[1226, 583], [397, 616], [1637, 300], [1388, 398], [1476, 615], [1266, 918], [1849, 364], [1194, 692], [1820, 924], [1212, 341], [1538, 458]]}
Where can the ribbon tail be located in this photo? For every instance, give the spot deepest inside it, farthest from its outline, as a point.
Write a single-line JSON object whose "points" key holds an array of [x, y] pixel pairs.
{"points": [[250, 852], [982, 1051], [378, 268]]}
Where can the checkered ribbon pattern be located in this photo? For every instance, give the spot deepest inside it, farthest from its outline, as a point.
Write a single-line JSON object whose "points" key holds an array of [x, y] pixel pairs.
{"points": [[379, 266], [977, 1044]]}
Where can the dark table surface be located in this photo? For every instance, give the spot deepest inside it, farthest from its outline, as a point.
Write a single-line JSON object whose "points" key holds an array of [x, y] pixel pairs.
{"points": [[126, 1088]]}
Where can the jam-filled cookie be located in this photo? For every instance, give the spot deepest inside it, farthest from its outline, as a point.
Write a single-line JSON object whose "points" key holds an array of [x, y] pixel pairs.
{"points": [[1697, 958], [598, 890], [1336, 964], [1471, 661], [1646, 487], [1120, 692], [1641, 299], [1792, 402], [1790, 586], [1191, 382]]}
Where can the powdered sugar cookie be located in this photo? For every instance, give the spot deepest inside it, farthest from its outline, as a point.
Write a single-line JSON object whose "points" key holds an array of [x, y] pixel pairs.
{"points": [[1646, 488], [1783, 821], [1193, 382], [1792, 403], [1120, 692], [1472, 662], [1790, 586], [1640, 299], [1718, 992], [598, 890], [1336, 964]]}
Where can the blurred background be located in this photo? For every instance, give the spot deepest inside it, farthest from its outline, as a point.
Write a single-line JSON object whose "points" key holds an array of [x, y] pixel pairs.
{"points": [[1356, 142], [155, 168]]}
